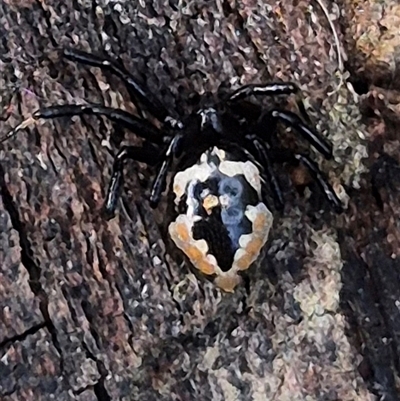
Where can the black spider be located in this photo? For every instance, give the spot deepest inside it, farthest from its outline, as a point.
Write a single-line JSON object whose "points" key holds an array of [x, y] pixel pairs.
{"points": [[223, 153], [181, 135]]}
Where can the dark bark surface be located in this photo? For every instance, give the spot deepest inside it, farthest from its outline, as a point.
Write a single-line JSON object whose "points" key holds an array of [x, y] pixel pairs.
{"points": [[98, 310]]}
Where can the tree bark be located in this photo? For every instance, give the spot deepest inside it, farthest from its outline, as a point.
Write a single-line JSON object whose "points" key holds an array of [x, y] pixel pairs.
{"points": [[92, 309]]}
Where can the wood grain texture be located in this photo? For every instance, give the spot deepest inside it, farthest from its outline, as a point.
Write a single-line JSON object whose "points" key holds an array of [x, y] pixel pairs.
{"points": [[99, 310]]}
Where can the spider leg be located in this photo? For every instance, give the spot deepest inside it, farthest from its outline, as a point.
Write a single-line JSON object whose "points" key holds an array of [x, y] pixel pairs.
{"points": [[321, 180], [267, 164], [139, 126], [269, 89], [294, 121], [151, 102], [160, 180], [147, 154]]}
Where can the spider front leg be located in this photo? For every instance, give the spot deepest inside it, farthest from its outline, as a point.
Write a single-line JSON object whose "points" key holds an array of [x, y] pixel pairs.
{"points": [[140, 127], [151, 103], [269, 89], [148, 154]]}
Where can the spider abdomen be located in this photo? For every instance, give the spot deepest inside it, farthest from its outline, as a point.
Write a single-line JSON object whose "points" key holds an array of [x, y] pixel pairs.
{"points": [[222, 223]]}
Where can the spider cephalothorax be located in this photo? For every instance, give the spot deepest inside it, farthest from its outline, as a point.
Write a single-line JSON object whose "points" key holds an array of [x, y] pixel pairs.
{"points": [[222, 165]]}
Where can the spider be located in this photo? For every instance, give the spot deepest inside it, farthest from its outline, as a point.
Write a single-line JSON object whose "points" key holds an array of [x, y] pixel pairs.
{"points": [[221, 160]]}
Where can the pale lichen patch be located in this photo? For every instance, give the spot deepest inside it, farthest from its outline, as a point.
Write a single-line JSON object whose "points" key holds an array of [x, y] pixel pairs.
{"points": [[320, 326]]}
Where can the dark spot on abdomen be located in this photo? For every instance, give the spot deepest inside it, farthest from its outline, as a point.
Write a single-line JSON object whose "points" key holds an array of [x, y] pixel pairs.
{"points": [[219, 243]]}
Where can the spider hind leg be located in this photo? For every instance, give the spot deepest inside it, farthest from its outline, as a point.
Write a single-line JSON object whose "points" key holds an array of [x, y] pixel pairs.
{"points": [[321, 180], [294, 121], [160, 181], [148, 154], [265, 160]]}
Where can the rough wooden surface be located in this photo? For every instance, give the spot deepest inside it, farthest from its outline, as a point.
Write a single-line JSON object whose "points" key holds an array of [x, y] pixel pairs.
{"points": [[97, 310]]}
